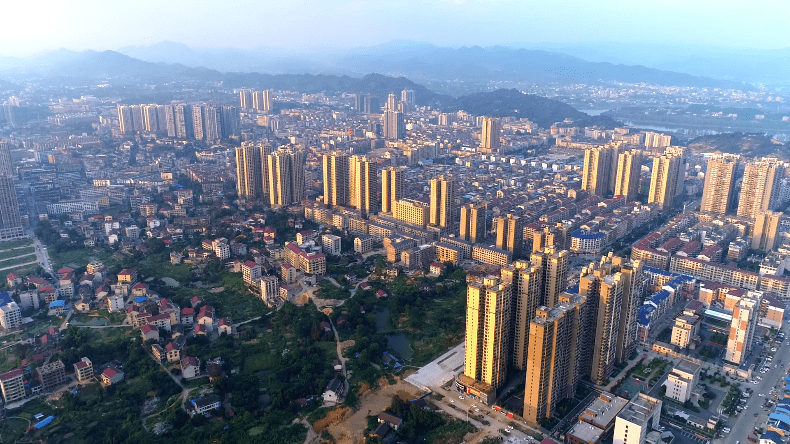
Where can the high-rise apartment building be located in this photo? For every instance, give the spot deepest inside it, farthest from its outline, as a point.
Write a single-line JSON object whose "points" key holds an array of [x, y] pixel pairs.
{"points": [[490, 141], [633, 294], [161, 117], [629, 171], [766, 227], [550, 365], [286, 177], [212, 130], [744, 322], [10, 220], [197, 122], [487, 337], [473, 222], [394, 126], [170, 120], [761, 187], [392, 186], [443, 195], [262, 101], [407, 97], [251, 170], [230, 122], [554, 265], [245, 99], [604, 293], [600, 169], [125, 123], [719, 192], [336, 178], [666, 182], [6, 168], [510, 233], [150, 118], [527, 297], [183, 121], [363, 184]]}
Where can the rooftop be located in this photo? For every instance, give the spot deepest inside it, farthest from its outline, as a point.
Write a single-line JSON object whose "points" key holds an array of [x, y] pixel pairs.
{"points": [[639, 409], [603, 409], [585, 432]]}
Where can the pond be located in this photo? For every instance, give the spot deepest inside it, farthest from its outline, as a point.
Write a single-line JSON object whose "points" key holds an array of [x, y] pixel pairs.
{"points": [[398, 342]]}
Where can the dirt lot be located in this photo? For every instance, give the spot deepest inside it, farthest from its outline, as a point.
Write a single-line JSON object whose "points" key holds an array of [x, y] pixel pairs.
{"points": [[350, 429]]}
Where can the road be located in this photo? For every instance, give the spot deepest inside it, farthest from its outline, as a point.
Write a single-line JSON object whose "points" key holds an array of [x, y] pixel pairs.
{"points": [[745, 423], [43, 256]]}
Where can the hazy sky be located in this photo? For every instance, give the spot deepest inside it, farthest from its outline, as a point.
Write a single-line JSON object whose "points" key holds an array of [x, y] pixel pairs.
{"points": [[30, 26]]}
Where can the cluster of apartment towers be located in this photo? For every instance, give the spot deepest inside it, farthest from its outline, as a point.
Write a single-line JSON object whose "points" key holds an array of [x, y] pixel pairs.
{"points": [[527, 319]]}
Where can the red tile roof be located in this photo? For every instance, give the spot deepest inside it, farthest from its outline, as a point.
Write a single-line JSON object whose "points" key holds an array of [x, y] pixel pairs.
{"points": [[11, 374]]}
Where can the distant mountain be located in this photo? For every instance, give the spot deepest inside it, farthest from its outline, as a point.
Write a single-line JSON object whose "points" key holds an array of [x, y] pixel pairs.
{"points": [[742, 64], [751, 145], [64, 63], [511, 102], [426, 63], [375, 84], [91, 66]]}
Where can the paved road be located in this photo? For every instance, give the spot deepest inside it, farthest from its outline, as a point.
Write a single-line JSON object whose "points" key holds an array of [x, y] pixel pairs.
{"points": [[745, 423]]}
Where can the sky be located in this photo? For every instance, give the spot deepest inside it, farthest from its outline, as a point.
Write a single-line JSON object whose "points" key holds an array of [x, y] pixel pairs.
{"points": [[33, 26]]}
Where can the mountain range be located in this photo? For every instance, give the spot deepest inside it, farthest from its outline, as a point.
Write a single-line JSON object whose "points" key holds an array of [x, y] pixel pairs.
{"points": [[424, 62]]}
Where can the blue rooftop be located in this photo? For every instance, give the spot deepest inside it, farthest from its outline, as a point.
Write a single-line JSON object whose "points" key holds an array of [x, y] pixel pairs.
{"points": [[140, 299], [781, 417], [659, 296], [58, 303], [584, 234], [5, 298], [771, 435], [44, 422], [644, 313]]}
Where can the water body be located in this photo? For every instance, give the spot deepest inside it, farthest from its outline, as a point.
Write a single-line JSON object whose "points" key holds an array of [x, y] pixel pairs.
{"points": [[398, 342], [594, 112]]}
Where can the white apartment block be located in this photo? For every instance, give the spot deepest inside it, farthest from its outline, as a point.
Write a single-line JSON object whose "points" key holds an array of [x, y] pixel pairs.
{"points": [[682, 380], [637, 418], [744, 321], [331, 244], [10, 315]]}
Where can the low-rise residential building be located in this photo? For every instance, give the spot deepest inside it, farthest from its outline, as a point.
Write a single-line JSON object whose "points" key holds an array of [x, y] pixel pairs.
{"points": [[251, 272], [83, 369], [363, 243], [681, 381], [190, 367], [173, 352], [205, 404], [331, 244], [111, 376], [639, 416], [12, 385], [149, 332], [334, 391], [187, 316], [10, 313], [52, 376]]}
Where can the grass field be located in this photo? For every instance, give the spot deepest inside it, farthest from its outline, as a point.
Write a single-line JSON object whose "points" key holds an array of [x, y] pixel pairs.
{"points": [[78, 258], [5, 254], [17, 260], [15, 243]]}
